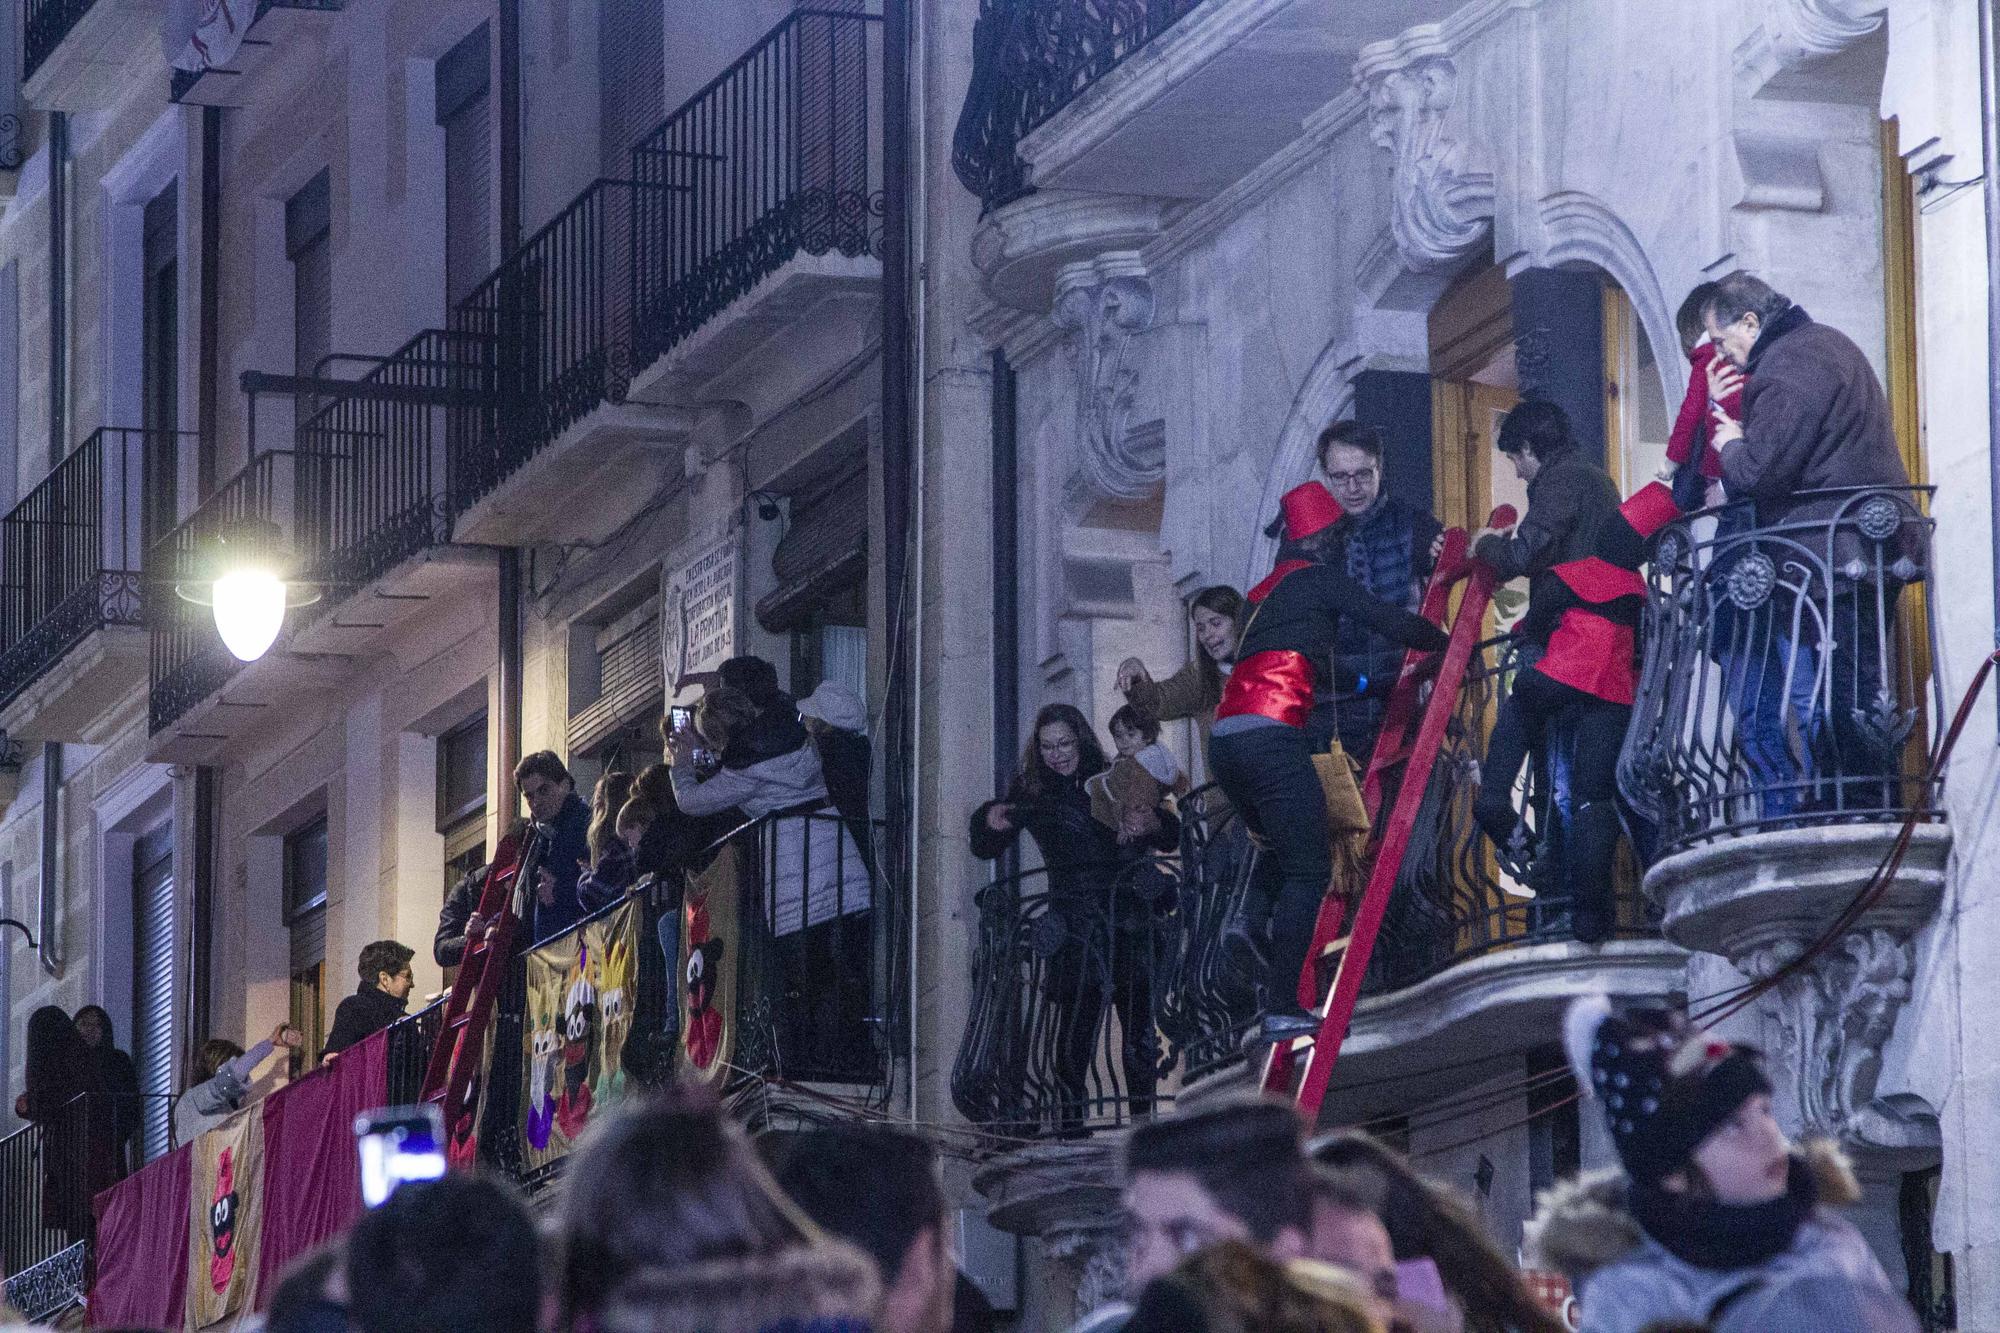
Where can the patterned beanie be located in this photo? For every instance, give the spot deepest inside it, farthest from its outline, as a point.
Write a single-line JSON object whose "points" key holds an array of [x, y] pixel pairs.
{"points": [[1664, 1084]]}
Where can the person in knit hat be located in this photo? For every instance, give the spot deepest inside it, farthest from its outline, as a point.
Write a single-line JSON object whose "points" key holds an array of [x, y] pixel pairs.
{"points": [[1716, 1215], [1259, 751]]}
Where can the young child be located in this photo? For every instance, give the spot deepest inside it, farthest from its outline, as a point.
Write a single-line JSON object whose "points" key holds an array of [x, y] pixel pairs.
{"points": [[1143, 772]]}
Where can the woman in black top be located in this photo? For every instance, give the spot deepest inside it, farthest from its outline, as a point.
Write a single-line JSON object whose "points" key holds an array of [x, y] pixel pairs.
{"points": [[121, 1081], [1106, 930], [64, 1094], [1259, 750]]}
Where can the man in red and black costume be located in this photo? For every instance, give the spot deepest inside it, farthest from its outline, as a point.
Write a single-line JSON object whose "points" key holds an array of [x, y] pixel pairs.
{"points": [[1259, 751], [1581, 690]]}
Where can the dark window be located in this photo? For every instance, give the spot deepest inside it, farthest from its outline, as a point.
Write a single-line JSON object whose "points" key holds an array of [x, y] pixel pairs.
{"points": [[309, 246], [153, 982], [305, 869], [464, 111], [461, 810], [632, 93], [160, 357], [308, 1007]]}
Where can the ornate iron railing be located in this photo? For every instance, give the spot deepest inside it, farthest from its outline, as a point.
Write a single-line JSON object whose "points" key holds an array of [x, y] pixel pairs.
{"points": [[778, 156], [49, 1171], [410, 1041], [1030, 59], [182, 81], [70, 550], [1208, 999], [1789, 667], [44, 24], [187, 660], [371, 471], [551, 329], [1063, 1036]]}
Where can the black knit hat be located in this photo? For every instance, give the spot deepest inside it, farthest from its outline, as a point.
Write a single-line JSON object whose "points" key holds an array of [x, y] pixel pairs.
{"points": [[1664, 1084]]}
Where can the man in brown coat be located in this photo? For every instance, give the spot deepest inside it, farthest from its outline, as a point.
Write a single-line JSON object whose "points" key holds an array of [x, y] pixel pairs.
{"points": [[1815, 436]]}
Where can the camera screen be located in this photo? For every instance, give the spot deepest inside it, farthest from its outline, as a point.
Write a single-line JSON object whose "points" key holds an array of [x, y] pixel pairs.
{"points": [[396, 1144]]}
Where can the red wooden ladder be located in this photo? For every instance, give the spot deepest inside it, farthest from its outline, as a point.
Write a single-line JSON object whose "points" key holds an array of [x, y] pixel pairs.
{"points": [[1301, 1068], [450, 1079]]}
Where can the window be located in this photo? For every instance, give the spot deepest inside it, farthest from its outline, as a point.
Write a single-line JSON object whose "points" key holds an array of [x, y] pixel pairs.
{"points": [[309, 246], [461, 805], [305, 918], [160, 358], [153, 982], [463, 110], [632, 94]]}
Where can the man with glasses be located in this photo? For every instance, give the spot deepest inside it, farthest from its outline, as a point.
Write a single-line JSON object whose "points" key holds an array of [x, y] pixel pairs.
{"points": [[1386, 546]]}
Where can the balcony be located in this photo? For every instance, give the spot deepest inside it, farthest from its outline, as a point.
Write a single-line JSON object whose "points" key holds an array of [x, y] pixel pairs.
{"points": [[71, 592], [1779, 744], [48, 1173], [279, 29], [85, 55], [1168, 99], [740, 257]]}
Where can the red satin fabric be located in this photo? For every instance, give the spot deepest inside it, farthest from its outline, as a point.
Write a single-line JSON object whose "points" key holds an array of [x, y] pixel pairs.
{"points": [[1274, 578], [1589, 653], [1599, 581], [1277, 685]]}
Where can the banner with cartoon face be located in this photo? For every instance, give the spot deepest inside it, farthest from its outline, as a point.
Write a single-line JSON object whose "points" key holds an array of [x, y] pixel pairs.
{"points": [[581, 989], [711, 946], [227, 1203]]}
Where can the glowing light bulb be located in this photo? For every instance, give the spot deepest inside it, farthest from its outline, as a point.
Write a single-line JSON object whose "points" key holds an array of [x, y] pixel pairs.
{"points": [[249, 611]]}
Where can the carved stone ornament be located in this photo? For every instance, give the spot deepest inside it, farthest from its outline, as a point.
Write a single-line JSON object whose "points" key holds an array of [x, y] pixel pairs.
{"points": [[1101, 304], [1433, 181], [1807, 30], [1836, 1016], [1095, 1255]]}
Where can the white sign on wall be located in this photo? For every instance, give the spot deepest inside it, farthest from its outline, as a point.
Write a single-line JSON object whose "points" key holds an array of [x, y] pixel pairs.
{"points": [[698, 612]]}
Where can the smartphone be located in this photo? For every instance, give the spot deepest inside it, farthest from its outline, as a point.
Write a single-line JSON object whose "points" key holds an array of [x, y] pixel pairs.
{"points": [[680, 719], [398, 1143]]}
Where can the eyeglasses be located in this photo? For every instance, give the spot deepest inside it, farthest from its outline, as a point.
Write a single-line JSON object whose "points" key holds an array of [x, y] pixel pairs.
{"points": [[1361, 478]]}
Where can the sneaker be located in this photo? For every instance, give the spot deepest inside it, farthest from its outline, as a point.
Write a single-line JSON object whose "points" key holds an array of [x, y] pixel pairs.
{"points": [[1284, 1025]]}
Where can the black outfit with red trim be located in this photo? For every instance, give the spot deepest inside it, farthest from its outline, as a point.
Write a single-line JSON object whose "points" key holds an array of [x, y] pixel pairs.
{"points": [[1571, 704], [1260, 753]]}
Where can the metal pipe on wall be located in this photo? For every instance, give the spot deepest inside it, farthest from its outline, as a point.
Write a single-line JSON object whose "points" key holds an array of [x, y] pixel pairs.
{"points": [[1006, 576], [1989, 151], [208, 410], [58, 286], [507, 723]]}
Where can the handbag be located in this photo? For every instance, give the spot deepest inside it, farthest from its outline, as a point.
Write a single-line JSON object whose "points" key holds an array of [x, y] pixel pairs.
{"points": [[1344, 811]]}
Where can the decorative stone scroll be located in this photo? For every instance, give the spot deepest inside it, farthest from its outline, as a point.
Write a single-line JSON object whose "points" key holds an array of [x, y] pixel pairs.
{"points": [[1101, 303], [1805, 30], [1429, 218]]}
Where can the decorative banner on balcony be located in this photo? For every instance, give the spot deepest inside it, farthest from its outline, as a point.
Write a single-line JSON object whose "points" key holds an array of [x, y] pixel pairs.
{"points": [[227, 1218], [711, 947], [204, 34], [581, 988], [698, 612]]}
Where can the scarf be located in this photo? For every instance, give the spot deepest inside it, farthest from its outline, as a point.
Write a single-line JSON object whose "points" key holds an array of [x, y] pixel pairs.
{"points": [[1722, 1236]]}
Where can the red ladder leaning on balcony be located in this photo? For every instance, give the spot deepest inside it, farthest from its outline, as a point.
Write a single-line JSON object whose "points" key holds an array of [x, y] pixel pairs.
{"points": [[451, 1078], [1395, 749]]}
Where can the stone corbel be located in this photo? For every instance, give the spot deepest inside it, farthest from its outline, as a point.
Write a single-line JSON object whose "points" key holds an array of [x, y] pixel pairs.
{"points": [[1802, 31], [1100, 304], [1761, 901], [1435, 215]]}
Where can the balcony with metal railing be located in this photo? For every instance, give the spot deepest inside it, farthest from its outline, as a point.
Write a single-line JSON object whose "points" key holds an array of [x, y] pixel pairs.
{"points": [[750, 224], [84, 55], [71, 583], [49, 1170]]}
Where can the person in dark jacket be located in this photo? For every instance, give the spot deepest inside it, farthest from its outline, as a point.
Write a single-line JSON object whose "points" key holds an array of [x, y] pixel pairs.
{"points": [[121, 1082], [562, 844], [459, 920], [1093, 902], [1815, 428], [1385, 546], [1260, 750], [64, 1095], [380, 999]]}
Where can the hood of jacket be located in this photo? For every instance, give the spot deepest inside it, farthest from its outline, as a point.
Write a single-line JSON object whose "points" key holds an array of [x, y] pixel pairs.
{"points": [[823, 1287], [1583, 1224]]}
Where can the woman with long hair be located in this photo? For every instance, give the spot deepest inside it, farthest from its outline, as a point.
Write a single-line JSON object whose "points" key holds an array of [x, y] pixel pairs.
{"points": [[64, 1095], [1216, 616], [1426, 1220], [670, 1221], [1103, 933], [121, 1081]]}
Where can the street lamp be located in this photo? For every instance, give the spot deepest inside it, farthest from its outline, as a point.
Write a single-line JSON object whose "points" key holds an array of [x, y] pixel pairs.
{"points": [[243, 584]]}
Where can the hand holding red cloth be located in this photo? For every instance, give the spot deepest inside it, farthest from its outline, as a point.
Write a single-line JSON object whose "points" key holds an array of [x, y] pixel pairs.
{"points": [[1692, 424]]}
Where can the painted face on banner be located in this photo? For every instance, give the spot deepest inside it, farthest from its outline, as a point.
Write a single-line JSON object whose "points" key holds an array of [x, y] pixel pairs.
{"points": [[222, 1223]]}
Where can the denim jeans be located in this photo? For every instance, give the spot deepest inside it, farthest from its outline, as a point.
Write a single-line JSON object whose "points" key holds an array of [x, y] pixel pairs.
{"points": [[1267, 773], [670, 945]]}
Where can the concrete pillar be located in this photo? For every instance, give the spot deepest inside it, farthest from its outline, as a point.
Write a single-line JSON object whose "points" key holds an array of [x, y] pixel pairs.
{"points": [[1399, 403]]}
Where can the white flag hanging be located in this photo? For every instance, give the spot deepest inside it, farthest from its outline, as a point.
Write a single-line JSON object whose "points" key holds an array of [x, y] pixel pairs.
{"points": [[204, 34]]}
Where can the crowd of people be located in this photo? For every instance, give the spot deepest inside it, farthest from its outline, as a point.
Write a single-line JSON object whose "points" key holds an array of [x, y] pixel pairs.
{"points": [[1288, 682]]}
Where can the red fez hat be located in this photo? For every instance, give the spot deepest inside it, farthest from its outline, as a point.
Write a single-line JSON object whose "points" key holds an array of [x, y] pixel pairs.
{"points": [[1651, 508], [1308, 509]]}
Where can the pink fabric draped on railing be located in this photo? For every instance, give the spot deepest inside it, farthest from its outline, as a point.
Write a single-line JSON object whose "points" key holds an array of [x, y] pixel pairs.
{"points": [[311, 1191]]}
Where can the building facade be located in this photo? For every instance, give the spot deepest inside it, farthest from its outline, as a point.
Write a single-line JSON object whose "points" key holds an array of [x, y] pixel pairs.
{"points": [[548, 343]]}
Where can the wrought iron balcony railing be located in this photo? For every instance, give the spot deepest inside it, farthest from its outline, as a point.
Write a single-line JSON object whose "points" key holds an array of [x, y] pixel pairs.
{"points": [[49, 1171], [1030, 59], [1789, 668], [187, 660], [1063, 1035], [70, 551], [44, 25], [371, 469]]}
